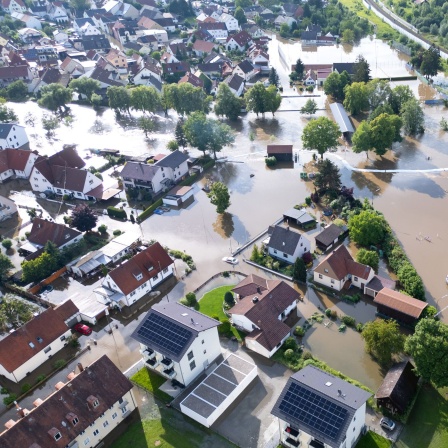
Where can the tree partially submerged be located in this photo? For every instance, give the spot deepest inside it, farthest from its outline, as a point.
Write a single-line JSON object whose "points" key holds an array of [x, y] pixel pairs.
{"points": [[328, 177], [55, 97], [321, 134], [219, 196], [227, 104], [260, 99], [309, 108]]}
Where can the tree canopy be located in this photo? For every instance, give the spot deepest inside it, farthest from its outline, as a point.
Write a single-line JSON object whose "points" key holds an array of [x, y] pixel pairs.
{"points": [[428, 346], [368, 228], [119, 99], [240, 16], [17, 91], [5, 267], [400, 95], [83, 218], [309, 108], [431, 62], [7, 115], [274, 80], [361, 70], [383, 339], [219, 196], [413, 117], [379, 92], [185, 99], [328, 177], [207, 134], [299, 68], [55, 97], [321, 134], [335, 84], [260, 99], [299, 270], [369, 258], [85, 86], [227, 103], [356, 97], [145, 99], [179, 134]]}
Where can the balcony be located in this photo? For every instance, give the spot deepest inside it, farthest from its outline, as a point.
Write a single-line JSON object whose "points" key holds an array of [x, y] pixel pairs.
{"points": [[167, 363], [169, 373], [291, 433], [148, 353], [153, 363], [291, 443]]}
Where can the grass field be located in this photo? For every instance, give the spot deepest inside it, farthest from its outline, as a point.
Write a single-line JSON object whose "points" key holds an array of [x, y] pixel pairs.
{"points": [[427, 425], [151, 382], [373, 440]]}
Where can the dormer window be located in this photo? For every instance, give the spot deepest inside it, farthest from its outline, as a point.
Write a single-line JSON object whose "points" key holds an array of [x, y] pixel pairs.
{"points": [[96, 403], [93, 401], [55, 433], [67, 236], [40, 340], [138, 276]]}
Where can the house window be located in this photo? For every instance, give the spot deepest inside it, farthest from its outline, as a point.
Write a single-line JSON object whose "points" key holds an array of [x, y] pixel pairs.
{"points": [[202, 340], [192, 365], [132, 293], [105, 424], [37, 186], [87, 441], [96, 403], [355, 279], [62, 338], [205, 351], [36, 178], [47, 349], [332, 281], [114, 416], [320, 276], [285, 255], [123, 410], [57, 436], [96, 432], [275, 251], [75, 421], [165, 270], [190, 356]]}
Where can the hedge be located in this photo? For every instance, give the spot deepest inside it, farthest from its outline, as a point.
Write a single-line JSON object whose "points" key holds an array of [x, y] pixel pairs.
{"points": [[149, 211], [209, 164], [114, 212]]}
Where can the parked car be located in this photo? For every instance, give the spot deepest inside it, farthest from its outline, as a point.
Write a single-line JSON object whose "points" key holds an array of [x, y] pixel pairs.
{"points": [[387, 423], [230, 260], [83, 329]]}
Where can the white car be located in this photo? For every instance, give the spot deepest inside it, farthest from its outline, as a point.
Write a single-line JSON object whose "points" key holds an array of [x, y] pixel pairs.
{"points": [[230, 260]]}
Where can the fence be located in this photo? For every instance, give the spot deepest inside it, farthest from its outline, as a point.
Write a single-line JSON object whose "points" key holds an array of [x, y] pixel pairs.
{"points": [[48, 280], [263, 268], [219, 274]]}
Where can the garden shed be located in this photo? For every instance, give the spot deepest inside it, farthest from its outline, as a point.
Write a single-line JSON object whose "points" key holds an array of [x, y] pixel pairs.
{"points": [[342, 119], [283, 153]]}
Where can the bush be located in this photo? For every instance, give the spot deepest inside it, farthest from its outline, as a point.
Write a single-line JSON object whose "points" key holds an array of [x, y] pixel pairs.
{"points": [[7, 244], [328, 312], [289, 354], [308, 201], [333, 314], [226, 274], [191, 299], [359, 327], [4, 391], [59, 364], [102, 229], [307, 355], [41, 378], [224, 328], [114, 212], [25, 388], [228, 298], [290, 343], [299, 331], [9, 399], [349, 321], [116, 232], [149, 211], [270, 161]]}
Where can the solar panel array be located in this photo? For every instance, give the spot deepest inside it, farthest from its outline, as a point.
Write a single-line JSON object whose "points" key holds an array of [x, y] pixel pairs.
{"points": [[313, 410], [164, 333]]}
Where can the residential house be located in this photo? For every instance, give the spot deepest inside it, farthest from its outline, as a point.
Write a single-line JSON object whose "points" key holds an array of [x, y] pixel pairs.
{"points": [[58, 13], [203, 48], [261, 308], [166, 23], [151, 13], [236, 84], [144, 176], [10, 6], [73, 67], [217, 29], [29, 35], [120, 9], [174, 166], [60, 36], [149, 41], [105, 78], [160, 34], [399, 306], [81, 412], [239, 41], [338, 269], [309, 38], [8, 208], [168, 58], [29, 20], [330, 236], [178, 342], [118, 60], [149, 75], [43, 231], [377, 284], [178, 196], [129, 282], [283, 153], [259, 59], [178, 49], [35, 342], [292, 10], [230, 21], [85, 27], [62, 174], [125, 31], [299, 217], [16, 163], [246, 70], [50, 76], [11, 73], [398, 388], [93, 42], [348, 67], [310, 78], [192, 79], [286, 244], [176, 68], [280, 20], [318, 409], [254, 31], [13, 135]]}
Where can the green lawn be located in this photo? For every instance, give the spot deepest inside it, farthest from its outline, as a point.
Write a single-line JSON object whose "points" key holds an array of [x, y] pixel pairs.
{"points": [[151, 381], [373, 440], [427, 426], [211, 305]]}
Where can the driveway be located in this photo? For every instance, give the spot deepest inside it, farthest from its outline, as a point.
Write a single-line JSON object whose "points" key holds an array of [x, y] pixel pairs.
{"points": [[373, 423]]}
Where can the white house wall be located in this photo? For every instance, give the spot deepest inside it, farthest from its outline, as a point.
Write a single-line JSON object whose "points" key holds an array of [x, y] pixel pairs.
{"points": [[16, 138], [242, 322], [355, 427], [327, 281]]}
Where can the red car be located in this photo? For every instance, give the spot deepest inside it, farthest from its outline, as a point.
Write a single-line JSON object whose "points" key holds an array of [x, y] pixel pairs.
{"points": [[83, 329]]}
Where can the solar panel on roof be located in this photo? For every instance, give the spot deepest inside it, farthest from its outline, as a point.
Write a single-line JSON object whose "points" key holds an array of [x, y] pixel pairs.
{"points": [[164, 333], [312, 409]]}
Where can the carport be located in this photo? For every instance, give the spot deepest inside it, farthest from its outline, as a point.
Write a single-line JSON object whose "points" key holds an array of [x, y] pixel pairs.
{"points": [[342, 119]]}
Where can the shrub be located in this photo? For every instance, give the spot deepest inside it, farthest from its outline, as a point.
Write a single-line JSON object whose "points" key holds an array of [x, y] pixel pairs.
{"points": [[299, 331], [359, 327], [40, 378], [308, 201], [289, 354], [7, 244], [306, 355], [116, 232], [228, 298], [149, 211], [334, 314], [349, 321], [9, 399], [290, 343], [114, 212], [4, 391], [270, 161], [224, 328], [102, 229], [191, 299], [226, 274], [307, 258], [328, 312], [25, 388], [59, 364]]}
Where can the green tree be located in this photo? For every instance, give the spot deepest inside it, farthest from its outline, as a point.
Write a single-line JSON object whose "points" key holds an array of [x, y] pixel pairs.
{"points": [[5, 267], [229, 299], [255, 255], [227, 103], [55, 97], [260, 99], [17, 91], [335, 84], [348, 36], [299, 68], [240, 16], [310, 107], [367, 228], [328, 177], [284, 30], [39, 268], [50, 123], [410, 281], [80, 6], [361, 139], [243, 3], [400, 95], [413, 117], [96, 100], [185, 99], [431, 62], [383, 339], [274, 80], [172, 145], [156, 55], [7, 243], [321, 134], [219, 196], [83, 218], [379, 92], [145, 99], [369, 258], [361, 70], [119, 99], [428, 347], [179, 134], [299, 270], [7, 115], [383, 131], [85, 86], [146, 124], [356, 97], [207, 134]]}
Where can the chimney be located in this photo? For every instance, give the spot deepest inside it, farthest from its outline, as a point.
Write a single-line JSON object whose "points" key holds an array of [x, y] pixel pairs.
{"points": [[80, 367], [339, 392], [258, 290], [59, 385], [71, 375], [254, 299], [10, 423], [37, 402]]}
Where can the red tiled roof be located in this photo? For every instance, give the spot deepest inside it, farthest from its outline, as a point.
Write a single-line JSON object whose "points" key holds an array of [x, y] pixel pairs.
{"points": [[191, 79], [44, 231], [279, 149], [202, 45], [242, 38], [15, 71], [13, 159], [149, 263], [400, 302]]}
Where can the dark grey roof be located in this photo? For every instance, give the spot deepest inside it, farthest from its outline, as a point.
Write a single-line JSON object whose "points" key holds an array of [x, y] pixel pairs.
{"points": [[308, 35], [5, 129], [341, 118], [235, 82], [320, 404], [82, 21], [96, 42], [284, 240], [170, 329], [139, 171], [172, 160], [378, 283], [301, 216], [329, 234], [246, 66], [341, 66]]}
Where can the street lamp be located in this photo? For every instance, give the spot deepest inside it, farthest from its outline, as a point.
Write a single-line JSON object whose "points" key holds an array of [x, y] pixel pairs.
{"points": [[443, 309]]}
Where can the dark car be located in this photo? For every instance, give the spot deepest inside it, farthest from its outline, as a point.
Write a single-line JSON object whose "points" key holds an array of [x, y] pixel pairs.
{"points": [[83, 329]]}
